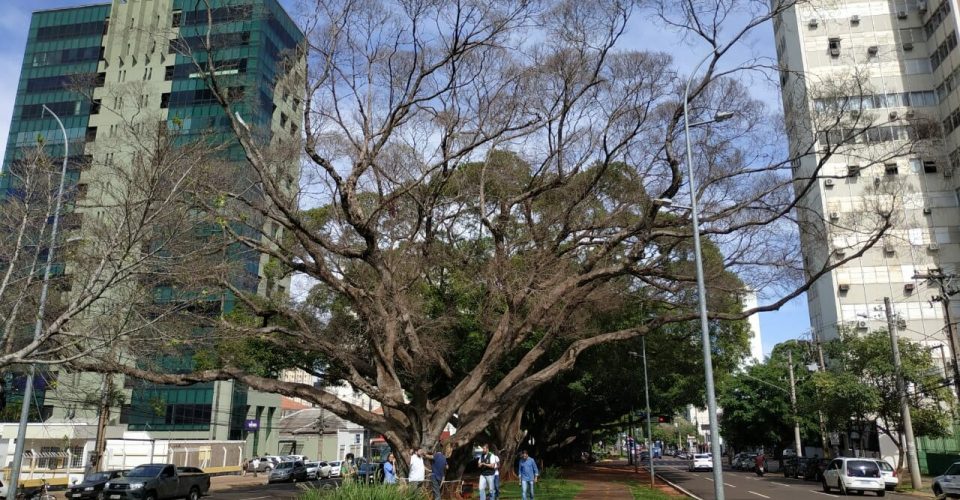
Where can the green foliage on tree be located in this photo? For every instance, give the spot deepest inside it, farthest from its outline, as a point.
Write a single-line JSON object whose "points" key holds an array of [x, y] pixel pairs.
{"points": [[860, 385], [757, 411]]}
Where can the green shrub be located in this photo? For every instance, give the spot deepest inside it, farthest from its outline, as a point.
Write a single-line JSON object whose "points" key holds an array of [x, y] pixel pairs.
{"points": [[551, 472], [355, 491]]}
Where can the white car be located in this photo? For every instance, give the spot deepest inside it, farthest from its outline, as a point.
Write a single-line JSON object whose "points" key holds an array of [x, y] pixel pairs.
{"points": [[268, 463], [890, 478], [335, 468], [948, 484], [318, 470], [854, 474], [701, 461]]}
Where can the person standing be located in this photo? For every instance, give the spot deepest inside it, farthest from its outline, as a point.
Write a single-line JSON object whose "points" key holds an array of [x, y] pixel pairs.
{"points": [[417, 470], [390, 470], [348, 470], [438, 470], [488, 463], [529, 474], [255, 464]]}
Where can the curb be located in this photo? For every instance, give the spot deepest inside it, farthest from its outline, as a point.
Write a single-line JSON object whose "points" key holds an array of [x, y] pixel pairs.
{"points": [[678, 487]]}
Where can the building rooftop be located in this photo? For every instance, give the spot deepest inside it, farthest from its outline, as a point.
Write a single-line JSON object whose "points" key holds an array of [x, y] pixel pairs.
{"points": [[70, 7]]}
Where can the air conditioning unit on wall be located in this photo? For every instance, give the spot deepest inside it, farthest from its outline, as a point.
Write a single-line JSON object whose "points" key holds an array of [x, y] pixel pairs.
{"points": [[861, 325]]}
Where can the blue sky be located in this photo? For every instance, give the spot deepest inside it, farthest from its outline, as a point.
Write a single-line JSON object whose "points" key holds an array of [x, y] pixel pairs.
{"points": [[789, 322]]}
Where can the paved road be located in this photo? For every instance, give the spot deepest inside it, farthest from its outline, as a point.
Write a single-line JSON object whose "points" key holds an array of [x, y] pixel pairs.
{"points": [[261, 491], [746, 485]]}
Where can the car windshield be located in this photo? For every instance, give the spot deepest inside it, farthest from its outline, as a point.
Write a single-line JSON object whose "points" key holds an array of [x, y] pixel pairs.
{"points": [[99, 476], [285, 465], [701, 457], [862, 468], [313, 464], [145, 471]]}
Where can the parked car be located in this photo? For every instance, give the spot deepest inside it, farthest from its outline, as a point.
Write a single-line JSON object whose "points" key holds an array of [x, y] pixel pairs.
{"points": [[318, 470], [157, 482], [701, 461], [291, 470], [747, 462], [889, 475], [335, 468], [948, 484], [853, 474], [91, 487], [302, 458], [268, 463], [371, 472], [791, 467], [814, 469]]}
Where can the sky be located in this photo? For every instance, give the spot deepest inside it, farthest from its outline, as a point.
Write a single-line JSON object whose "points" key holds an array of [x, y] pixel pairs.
{"points": [[791, 321]]}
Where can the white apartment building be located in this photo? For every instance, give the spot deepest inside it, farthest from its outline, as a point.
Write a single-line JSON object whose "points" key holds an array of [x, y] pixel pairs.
{"points": [[891, 66]]}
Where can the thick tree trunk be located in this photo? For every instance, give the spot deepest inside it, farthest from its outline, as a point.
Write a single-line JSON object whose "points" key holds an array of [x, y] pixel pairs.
{"points": [[507, 435]]}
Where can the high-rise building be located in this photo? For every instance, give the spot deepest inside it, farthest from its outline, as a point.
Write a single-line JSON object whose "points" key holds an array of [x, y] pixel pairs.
{"points": [[872, 110], [140, 58], [881, 76]]}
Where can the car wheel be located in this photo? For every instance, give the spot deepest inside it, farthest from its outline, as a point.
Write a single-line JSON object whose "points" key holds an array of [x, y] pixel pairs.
{"points": [[194, 494], [937, 491], [881, 493], [150, 496], [826, 488]]}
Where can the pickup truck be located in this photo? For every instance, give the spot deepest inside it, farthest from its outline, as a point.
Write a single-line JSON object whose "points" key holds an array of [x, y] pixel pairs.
{"points": [[158, 482]]}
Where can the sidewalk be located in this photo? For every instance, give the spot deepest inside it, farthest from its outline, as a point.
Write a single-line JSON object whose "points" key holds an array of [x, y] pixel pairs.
{"points": [[610, 480]]}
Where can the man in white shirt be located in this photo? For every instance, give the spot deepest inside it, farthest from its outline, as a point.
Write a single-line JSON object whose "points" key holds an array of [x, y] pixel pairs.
{"points": [[417, 470]]}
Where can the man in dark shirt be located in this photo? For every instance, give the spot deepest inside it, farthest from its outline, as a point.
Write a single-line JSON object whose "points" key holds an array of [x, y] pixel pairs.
{"points": [[438, 470]]}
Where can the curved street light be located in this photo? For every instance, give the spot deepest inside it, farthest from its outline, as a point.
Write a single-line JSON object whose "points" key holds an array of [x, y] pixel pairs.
{"points": [[38, 327], [701, 288]]}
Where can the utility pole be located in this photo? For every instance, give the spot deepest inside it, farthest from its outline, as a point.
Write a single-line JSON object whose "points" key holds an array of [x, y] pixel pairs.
{"points": [[103, 416], [937, 276], [793, 402], [904, 405], [822, 421]]}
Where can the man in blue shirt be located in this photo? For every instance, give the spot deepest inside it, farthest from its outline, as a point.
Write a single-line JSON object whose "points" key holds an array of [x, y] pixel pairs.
{"points": [[438, 470], [529, 474]]}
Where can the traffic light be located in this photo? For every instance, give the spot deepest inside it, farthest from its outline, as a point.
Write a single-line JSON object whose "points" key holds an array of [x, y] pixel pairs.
{"points": [[664, 419]]}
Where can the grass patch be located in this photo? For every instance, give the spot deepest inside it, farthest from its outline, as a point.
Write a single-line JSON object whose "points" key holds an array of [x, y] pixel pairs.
{"points": [[354, 491], [644, 492], [552, 489]]}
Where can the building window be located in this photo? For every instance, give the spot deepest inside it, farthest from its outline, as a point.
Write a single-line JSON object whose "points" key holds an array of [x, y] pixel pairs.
{"points": [[177, 18], [95, 106], [91, 134], [168, 73], [929, 167], [834, 47], [283, 119], [890, 169], [165, 100]]}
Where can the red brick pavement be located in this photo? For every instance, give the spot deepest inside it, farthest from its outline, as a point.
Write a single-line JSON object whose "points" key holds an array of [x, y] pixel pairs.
{"points": [[608, 480]]}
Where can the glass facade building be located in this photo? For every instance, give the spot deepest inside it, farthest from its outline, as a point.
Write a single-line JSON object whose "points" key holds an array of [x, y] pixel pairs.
{"points": [[101, 47]]}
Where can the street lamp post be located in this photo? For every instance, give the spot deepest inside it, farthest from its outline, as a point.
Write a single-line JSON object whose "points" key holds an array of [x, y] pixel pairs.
{"points": [[701, 288], [41, 309], [646, 392]]}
